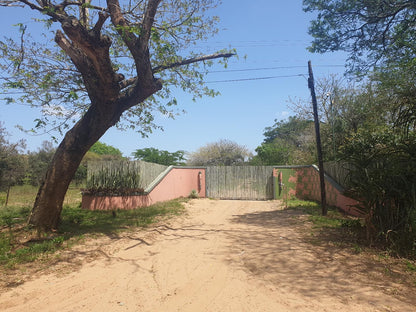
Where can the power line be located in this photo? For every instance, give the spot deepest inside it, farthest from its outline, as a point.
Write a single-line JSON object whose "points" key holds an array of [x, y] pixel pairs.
{"points": [[257, 78], [253, 69]]}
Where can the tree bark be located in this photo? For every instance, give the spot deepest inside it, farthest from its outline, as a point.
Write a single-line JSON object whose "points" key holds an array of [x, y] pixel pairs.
{"points": [[49, 200]]}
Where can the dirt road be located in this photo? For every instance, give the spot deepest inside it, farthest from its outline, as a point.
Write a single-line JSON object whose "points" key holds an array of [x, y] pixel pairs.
{"points": [[221, 256]]}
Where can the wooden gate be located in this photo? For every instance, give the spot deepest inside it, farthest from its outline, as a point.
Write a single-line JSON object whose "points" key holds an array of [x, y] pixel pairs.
{"points": [[240, 182]]}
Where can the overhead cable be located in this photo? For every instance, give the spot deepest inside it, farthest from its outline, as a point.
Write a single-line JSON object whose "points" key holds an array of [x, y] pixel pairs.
{"points": [[257, 78]]}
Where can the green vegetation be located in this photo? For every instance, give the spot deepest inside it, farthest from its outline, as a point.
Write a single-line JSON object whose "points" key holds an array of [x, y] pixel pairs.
{"points": [[340, 229], [38, 163], [103, 149], [334, 218], [12, 163], [20, 243], [373, 124], [160, 157], [118, 179], [288, 142], [193, 194]]}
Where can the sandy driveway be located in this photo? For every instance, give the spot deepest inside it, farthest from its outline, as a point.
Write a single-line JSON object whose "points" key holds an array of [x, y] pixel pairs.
{"points": [[221, 256]]}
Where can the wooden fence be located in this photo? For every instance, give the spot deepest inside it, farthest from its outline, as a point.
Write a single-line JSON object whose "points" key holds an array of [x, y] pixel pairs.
{"points": [[240, 182], [338, 171]]}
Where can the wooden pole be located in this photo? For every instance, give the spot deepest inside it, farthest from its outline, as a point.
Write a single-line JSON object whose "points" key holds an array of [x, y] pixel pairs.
{"points": [[311, 85]]}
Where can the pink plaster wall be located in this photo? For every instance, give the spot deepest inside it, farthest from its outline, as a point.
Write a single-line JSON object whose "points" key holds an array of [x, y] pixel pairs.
{"points": [[308, 187], [179, 182]]}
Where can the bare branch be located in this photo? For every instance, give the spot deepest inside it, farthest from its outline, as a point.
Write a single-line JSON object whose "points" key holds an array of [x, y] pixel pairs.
{"points": [[29, 4], [102, 17], [65, 3], [131, 81], [11, 3], [193, 60]]}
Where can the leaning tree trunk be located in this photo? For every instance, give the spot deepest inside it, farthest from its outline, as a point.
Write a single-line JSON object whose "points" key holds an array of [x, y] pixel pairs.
{"points": [[89, 51], [49, 200]]}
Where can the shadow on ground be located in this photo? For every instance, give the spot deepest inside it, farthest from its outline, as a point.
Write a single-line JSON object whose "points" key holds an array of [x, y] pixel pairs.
{"points": [[281, 247]]}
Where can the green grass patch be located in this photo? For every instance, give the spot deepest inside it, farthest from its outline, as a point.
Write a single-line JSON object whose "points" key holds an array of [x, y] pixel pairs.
{"points": [[9, 216], [79, 221], [410, 266], [333, 219], [21, 244]]}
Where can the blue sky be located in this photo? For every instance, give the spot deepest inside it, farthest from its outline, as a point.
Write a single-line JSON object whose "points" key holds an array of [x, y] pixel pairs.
{"points": [[271, 34]]}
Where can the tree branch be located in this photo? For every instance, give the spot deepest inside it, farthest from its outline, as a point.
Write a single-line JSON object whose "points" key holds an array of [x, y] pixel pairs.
{"points": [[128, 82], [73, 53], [29, 4], [149, 17], [192, 60], [65, 3], [102, 17], [11, 3], [121, 24], [131, 81]]}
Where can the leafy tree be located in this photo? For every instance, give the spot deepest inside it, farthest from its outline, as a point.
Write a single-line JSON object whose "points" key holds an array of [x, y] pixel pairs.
{"points": [[287, 130], [103, 74], [396, 95], [156, 156], [344, 109], [273, 153], [221, 153], [99, 151], [370, 31], [104, 149], [287, 142], [38, 163], [378, 35], [12, 163]]}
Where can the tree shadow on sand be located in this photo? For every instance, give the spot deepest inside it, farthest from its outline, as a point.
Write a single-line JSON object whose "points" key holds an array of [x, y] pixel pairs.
{"points": [[282, 247]]}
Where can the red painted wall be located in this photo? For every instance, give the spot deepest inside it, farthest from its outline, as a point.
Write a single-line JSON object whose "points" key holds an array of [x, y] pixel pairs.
{"points": [[179, 182]]}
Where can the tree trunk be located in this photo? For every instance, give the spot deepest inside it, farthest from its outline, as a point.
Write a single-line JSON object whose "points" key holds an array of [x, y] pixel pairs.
{"points": [[47, 209], [7, 196]]}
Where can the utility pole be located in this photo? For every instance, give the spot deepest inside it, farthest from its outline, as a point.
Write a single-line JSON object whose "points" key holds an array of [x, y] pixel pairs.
{"points": [[311, 85]]}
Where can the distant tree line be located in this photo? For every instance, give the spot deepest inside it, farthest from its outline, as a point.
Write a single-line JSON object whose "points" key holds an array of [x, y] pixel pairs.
{"points": [[18, 167]]}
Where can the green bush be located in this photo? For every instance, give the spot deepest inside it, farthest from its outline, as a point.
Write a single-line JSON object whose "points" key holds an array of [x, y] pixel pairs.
{"points": [[383, 180]]}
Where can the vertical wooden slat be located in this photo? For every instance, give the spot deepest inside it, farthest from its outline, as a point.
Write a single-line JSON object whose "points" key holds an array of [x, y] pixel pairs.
{"points": [[240, 182]]}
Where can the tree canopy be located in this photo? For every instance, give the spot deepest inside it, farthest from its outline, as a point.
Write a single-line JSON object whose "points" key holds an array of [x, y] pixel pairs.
{"points": [[58, 79], [12, 163], [100, 148], [371, 31], [287, 142], [38, 163], [161, 157]]}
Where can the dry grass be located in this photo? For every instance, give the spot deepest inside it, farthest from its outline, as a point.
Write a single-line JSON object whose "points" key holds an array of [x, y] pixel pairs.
{"points": [[24, 196]]}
